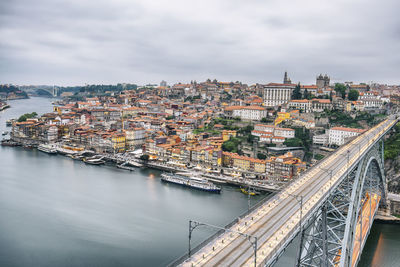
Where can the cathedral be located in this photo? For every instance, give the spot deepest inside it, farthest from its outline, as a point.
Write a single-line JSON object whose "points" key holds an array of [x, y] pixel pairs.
{"points": [[286, 80], [323, 81]]}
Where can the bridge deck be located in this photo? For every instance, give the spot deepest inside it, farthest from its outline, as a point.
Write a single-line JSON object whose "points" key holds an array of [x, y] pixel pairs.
{"points": [[277, 221]]}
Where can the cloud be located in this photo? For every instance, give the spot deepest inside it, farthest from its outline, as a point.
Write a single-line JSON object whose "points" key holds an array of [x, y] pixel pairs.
{"points": [[75, 42]]}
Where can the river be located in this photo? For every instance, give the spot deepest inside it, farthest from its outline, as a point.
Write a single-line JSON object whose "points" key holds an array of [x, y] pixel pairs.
{"points": [[58, 212]]}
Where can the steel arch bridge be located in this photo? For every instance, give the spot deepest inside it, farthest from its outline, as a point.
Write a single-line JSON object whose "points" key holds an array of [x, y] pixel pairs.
{"points": [[330, 208], [336, 233]]}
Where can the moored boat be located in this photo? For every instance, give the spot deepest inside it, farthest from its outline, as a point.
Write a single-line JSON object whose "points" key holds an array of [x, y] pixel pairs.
{"points": [[47, 148], [249, 192], [192, 181], [125, 166], [136, 164], [95, 160], [8, 142]]}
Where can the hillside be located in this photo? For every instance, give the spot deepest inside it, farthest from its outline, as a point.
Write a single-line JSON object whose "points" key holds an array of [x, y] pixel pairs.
{"points": [[11, 92]]}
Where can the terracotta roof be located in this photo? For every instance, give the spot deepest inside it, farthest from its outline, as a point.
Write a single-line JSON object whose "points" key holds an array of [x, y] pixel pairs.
{"points": [[348, 129]]}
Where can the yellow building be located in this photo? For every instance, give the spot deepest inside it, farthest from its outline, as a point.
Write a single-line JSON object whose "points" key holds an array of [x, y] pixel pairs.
{"points": [[282, 116], [227, 134], [118, 141], [241, 163]]}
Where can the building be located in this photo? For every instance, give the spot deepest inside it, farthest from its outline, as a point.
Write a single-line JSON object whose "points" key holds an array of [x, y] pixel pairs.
{"points": [[301, 104], [135, 137], [321, 139], [286, 80], [227, 134], [340, 135], [246, 112], [276, 94], [284, 167], [243, 163], [323, 81], [284, 132]]}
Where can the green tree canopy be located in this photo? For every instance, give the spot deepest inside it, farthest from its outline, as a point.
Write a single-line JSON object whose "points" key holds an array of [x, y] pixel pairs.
{"points": [[296, 94], [293, 142], [353, 95], [27, 116], [231, 145], [340, 89]]}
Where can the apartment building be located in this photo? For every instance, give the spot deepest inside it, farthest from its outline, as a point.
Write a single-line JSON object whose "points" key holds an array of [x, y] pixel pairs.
{"points": [[340, 135]]}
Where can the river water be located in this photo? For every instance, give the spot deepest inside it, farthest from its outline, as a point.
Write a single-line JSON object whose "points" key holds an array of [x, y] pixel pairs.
{"points": [[58, 212]]}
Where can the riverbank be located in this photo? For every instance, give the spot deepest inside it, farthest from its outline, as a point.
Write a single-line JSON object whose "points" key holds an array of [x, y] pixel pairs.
{"points": [[386, 219], [125, 160]]}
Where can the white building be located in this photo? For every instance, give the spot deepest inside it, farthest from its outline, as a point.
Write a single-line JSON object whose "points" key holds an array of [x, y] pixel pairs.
{"points": [[321, 139], [276, 94], [340, 135], [284, 132], [301, 104], [264, 128], [247, 112]]}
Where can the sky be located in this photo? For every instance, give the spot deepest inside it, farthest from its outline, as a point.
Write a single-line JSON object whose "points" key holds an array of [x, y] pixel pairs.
{"points": [[76, 42]]}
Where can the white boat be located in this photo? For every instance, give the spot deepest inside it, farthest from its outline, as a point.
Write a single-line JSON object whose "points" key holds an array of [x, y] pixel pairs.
{"points": [[190, 180], [95, 160], [4, 133], [125, 166], [135, 164], [47, 148]]}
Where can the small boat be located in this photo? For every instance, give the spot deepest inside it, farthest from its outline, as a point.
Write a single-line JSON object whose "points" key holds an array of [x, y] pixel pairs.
{"points": [[9, 123], [94, 161], [4, 133], [250, 192], [125, 166], [47, 148], [8, 142], [30, 146], [135, 164], [75, 157]]}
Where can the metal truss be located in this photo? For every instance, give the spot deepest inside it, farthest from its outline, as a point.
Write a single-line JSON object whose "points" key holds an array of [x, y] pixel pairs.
{"points": [[328, 237]]}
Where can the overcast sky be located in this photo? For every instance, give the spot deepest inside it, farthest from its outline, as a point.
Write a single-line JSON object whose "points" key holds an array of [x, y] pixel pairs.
{"points": [[76, 41]]}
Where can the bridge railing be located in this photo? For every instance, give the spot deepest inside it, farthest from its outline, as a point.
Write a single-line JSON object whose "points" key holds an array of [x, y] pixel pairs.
{"points": [[219, 232]]}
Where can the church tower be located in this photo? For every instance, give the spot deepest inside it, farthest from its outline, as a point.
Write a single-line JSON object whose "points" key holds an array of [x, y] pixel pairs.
{"points": [[286, 80]]}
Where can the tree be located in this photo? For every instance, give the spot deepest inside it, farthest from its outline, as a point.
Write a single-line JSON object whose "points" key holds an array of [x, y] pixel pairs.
{"points": [[293, 142], [232, 145], [261, 156], [296, 94], [27, 116], [341, 89], [306, 94], [353, 95]]}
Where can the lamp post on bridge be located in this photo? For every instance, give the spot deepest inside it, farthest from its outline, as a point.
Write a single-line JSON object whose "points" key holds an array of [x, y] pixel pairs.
{"points": [[348, 171], [251, 238], [299, 199]]}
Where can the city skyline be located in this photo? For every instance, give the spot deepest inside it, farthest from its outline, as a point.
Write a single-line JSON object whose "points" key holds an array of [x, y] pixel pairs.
{"points": [[77, 42]]}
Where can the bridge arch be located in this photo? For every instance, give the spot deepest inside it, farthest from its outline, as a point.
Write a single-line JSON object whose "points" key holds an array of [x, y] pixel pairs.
{"points": [[369, 181], [330, 236]]}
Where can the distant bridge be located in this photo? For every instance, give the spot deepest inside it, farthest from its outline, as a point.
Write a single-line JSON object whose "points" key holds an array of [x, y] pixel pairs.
{"points": [[52, 90], [331, 208]]}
